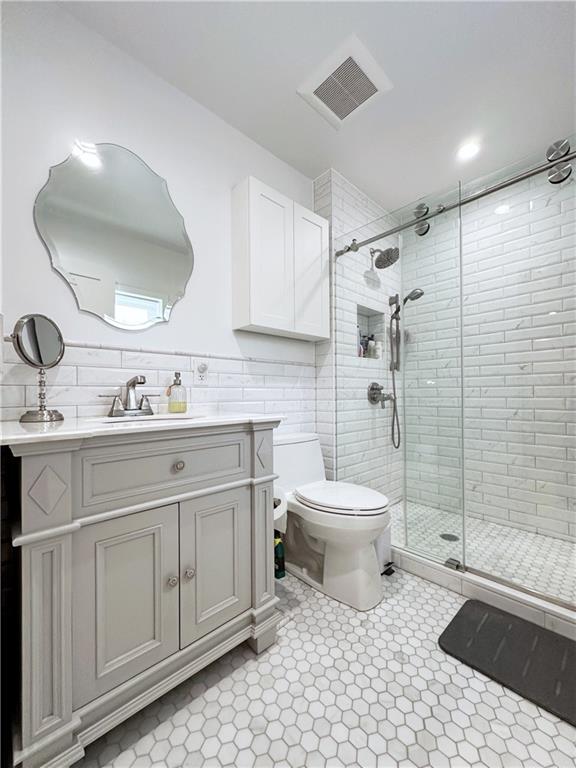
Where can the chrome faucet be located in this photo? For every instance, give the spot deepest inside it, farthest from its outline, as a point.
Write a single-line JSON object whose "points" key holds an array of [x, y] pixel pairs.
{"points": [[131, 406]]}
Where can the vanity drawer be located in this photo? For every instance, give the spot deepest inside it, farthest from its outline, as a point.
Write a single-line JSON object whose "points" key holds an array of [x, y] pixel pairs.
{"points": [[118, 476]]}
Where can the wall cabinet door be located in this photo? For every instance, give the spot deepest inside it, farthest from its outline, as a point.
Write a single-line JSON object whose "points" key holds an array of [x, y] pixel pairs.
{"points": [[215, 561], [311, 279], [271, 273], [125, 599], [280, 264]]}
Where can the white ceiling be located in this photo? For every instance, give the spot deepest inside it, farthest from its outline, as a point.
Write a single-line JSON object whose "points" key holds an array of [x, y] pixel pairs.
{"points": [[502, 72]]}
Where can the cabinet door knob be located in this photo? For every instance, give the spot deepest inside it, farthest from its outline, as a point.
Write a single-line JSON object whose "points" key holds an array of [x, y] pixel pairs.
{"points": [[178, 466], [172, 581], [189, 573]]}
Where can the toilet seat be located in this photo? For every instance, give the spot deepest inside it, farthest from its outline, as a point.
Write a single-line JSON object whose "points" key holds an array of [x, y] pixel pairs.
{"points": [[341, 498]]}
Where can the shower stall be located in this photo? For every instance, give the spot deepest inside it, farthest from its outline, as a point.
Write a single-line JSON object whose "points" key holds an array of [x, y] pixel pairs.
{"points": [[480, 366]]}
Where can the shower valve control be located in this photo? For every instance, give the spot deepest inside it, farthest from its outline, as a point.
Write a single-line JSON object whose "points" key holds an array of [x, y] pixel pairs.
{"points": [[377, 395]]}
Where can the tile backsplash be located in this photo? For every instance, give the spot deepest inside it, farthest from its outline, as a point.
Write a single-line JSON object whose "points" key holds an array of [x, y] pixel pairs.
{"points": [[238, 385]]}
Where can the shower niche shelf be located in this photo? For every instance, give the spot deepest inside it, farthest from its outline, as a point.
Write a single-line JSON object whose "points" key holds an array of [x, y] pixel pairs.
{"points": [[371, 322]]}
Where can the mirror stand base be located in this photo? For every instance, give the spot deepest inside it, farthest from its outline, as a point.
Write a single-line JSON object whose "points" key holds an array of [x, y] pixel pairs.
{"points": [[41, 416]]}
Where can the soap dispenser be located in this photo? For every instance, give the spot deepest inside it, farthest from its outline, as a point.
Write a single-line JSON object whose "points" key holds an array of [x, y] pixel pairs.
{"points": [[177, 396]]}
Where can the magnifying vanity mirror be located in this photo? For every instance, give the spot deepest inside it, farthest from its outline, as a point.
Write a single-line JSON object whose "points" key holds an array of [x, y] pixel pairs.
{"points": [[39, 343], [114, 234]]}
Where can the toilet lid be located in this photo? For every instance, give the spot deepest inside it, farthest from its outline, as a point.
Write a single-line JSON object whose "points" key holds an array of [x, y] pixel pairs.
{"points": [[341, 498]]}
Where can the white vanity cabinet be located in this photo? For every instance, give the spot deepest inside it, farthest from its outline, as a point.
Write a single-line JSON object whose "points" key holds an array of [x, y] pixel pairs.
{"points": [[215, 546], [280, 264], [124, 604], [145, 555]]}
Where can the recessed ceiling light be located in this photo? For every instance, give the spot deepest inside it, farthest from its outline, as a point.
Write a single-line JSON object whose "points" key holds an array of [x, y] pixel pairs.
{"points": [[501, 209], [468, 151]]}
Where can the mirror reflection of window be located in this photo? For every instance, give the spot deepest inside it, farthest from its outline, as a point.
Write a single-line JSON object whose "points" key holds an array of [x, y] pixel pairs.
{"points": [[133, 309]]}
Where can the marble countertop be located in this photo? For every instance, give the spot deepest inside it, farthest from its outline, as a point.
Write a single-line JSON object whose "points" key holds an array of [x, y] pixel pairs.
{"points": [[15, 433]]}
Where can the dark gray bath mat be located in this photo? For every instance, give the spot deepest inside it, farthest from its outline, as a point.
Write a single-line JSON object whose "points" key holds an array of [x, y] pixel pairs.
{"points": [[532, 661]]}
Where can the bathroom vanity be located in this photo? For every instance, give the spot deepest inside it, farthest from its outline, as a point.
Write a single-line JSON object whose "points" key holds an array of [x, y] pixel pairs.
{"points": [[146, 552]]}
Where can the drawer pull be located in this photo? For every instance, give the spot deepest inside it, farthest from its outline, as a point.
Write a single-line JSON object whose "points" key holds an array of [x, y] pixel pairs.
{"points": [[189, 573], [178, 466], [173, 581]]}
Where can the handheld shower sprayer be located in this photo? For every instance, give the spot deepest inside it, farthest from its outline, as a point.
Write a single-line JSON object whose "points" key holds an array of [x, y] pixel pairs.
{"points": [[414, 295], [394, 334]]}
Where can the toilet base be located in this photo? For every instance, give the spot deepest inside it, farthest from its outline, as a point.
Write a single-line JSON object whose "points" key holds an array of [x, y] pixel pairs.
{"points": [[336, 554], [350, 577]]}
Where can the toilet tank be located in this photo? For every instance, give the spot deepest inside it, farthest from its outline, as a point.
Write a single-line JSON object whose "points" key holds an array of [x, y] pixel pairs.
{"points": [[297, 459]]}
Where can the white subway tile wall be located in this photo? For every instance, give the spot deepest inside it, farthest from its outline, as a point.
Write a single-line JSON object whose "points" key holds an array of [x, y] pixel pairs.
{"points": [[519, 312], [355, 435], [234, 384]]}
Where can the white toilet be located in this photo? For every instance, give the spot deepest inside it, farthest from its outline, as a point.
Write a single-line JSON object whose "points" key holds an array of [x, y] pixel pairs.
{"points": [[331, 526]]}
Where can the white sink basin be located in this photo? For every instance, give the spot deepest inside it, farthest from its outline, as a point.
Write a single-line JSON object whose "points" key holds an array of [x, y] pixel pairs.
{"points": [[156, 417]]}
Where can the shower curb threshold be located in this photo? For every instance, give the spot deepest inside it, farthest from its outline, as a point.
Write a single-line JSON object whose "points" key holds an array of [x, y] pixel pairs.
{"points": [[535, 609]]}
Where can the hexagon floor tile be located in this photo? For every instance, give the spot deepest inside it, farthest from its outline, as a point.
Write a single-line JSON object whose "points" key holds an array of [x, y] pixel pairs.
{"points": [[342, 688]]}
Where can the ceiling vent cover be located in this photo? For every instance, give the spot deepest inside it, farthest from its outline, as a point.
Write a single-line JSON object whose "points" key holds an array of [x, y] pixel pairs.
{"points": [[346, 88], [345, 82]]}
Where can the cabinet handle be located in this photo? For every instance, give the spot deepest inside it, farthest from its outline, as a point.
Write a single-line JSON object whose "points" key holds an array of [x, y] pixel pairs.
{"points": [[189, 573], [178, 466], [172, 581]]}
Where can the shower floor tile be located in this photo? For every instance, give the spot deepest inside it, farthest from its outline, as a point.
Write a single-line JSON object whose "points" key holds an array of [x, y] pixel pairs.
{"points": [[342, 688], [533, 560]]}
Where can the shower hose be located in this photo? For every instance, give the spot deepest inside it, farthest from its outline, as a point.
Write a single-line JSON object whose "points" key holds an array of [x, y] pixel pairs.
{"points": [[395, 418], [394, 366]]}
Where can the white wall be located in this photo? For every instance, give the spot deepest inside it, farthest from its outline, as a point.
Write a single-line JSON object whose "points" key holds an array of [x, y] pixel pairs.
{"points": [[62, 82]]}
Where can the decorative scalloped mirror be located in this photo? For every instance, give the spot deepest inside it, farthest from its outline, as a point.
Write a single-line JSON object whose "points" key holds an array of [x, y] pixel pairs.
{"points": [[114, 234]]}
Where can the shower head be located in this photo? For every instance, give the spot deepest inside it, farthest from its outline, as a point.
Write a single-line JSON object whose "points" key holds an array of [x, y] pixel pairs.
{"points": [[382, 259], [414, 295]]}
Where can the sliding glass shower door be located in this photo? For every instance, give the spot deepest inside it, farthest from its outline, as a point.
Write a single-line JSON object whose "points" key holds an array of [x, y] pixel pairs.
{"points": [[489, 384], [518, 284], [484, 478], [432, 385]]}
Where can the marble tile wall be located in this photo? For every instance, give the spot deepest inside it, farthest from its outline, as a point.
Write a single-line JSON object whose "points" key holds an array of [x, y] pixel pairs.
{"points": [[233, 384], [355, 435]]}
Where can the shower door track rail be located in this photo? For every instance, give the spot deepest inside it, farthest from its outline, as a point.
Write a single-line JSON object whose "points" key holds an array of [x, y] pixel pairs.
{"points": [[520, 588], [354, 246]]}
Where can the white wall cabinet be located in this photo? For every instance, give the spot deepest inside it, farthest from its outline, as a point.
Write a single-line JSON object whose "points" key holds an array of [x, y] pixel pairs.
{"points": [[280, 264], [144, 557]]}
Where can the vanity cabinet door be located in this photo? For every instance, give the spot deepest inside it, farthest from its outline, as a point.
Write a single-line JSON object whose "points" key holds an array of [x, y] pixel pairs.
{"points": [[215, 560], [125, 599]]}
